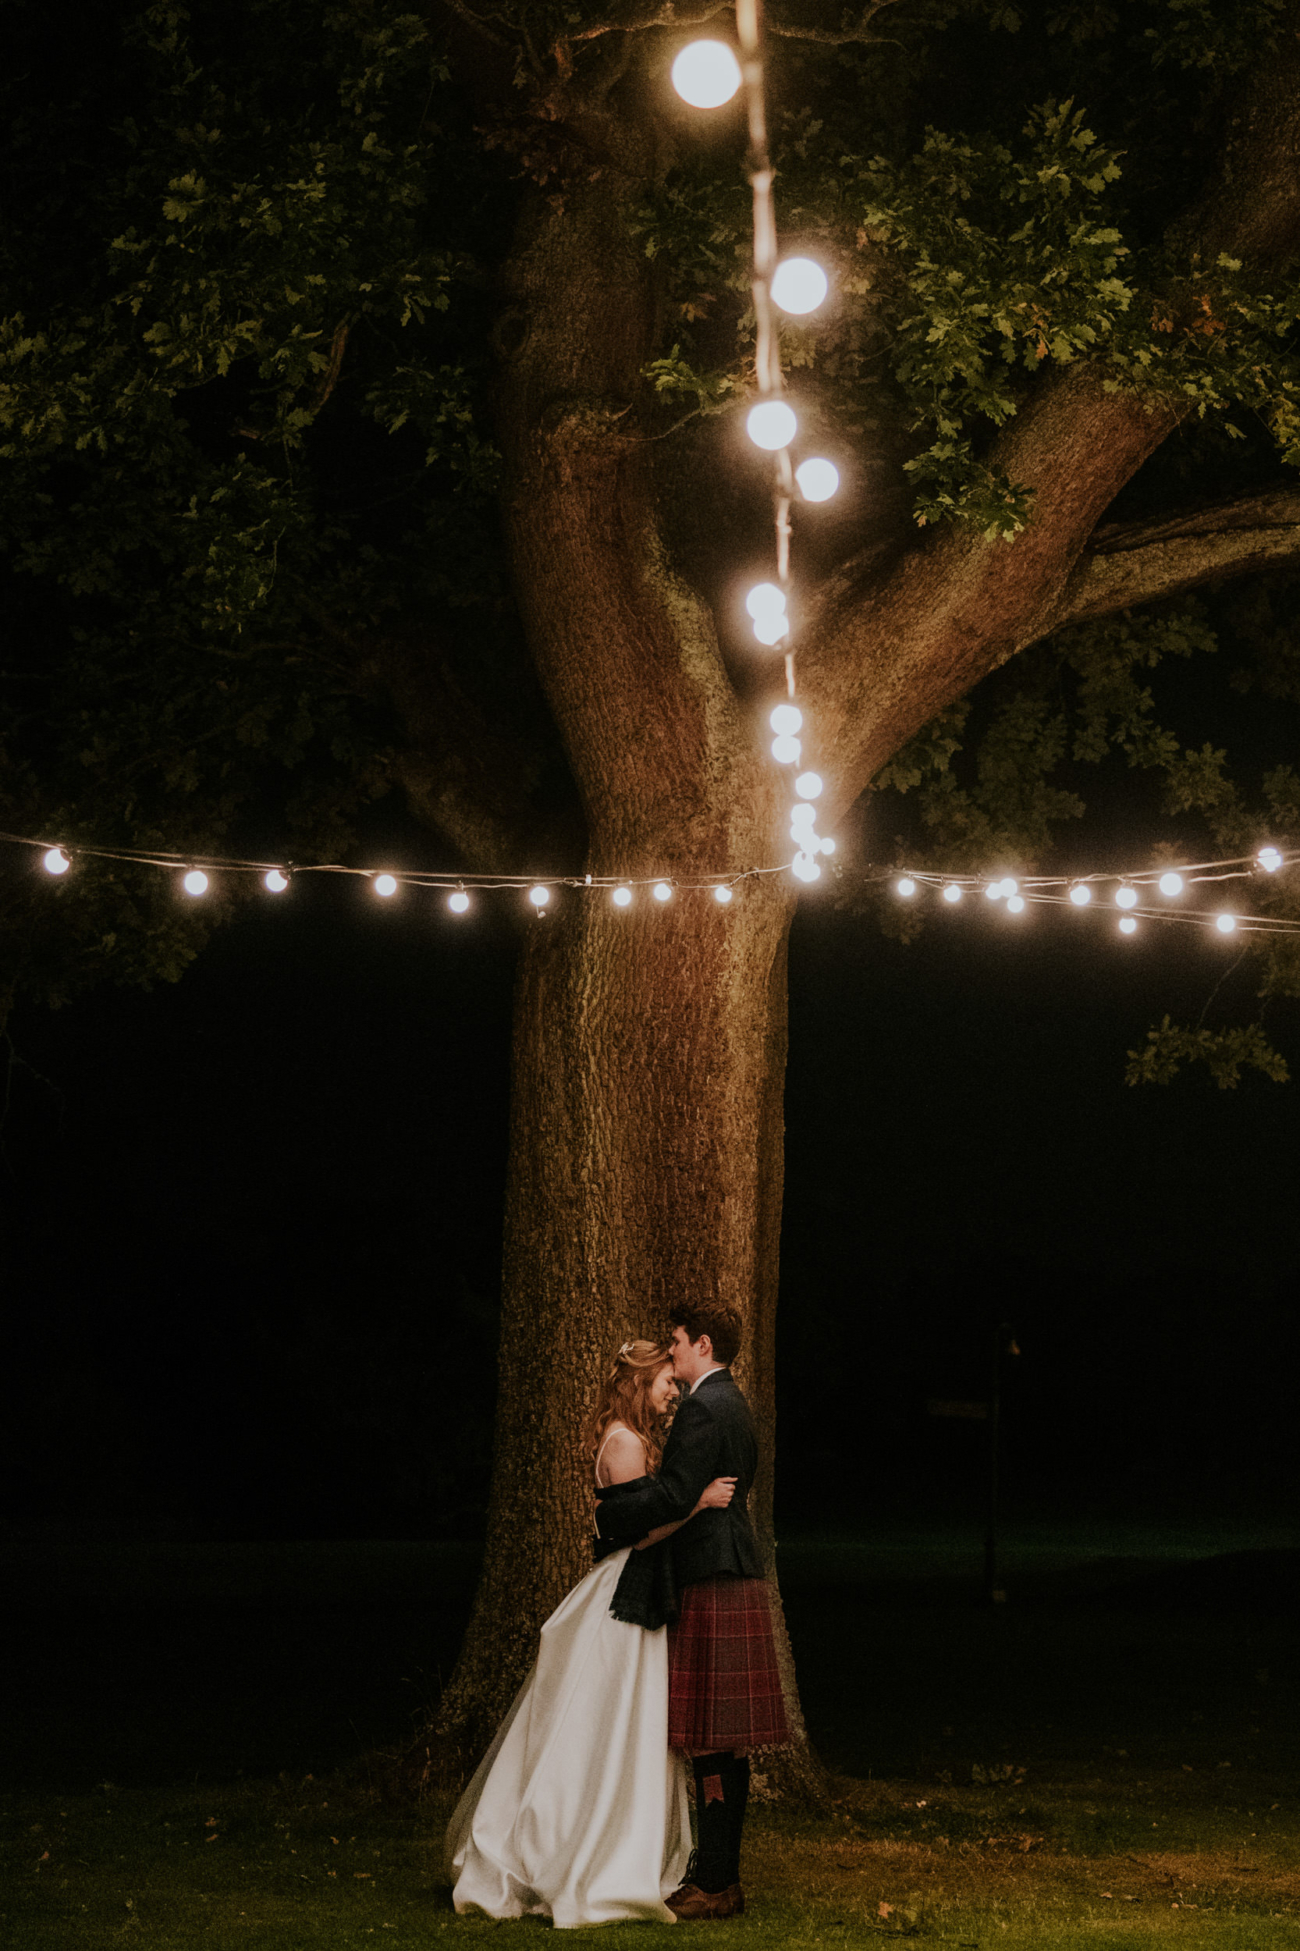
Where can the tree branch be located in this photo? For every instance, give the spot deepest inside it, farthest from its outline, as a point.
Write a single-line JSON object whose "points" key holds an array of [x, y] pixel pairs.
{"points": [[830, 37], [1136, 562]]}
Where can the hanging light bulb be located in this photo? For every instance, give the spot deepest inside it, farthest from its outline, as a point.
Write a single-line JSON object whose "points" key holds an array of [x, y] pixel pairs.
{"points": [[662, 891], [765, 599], [458, 902], [274, 881], [993, 892], [771, 425], [906, 887], [771, 629], [539, 895], [827, 845], [385, 885], [952, 893], [817, 479], [56, 861], [1171, 884], [1126, 897], [1015, 903], [722, 895], [195, 882], [803, 816], [1269, 859], [706, 74], [1226, 924], [786, 750], [1127, 925], [622, 897], [805, 868], [798, 285], [808, 785], [1081, 894], [1009, 886], [786, 719]]}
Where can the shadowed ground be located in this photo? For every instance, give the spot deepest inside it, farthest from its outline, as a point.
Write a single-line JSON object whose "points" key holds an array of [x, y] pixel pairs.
{"points": [[1108, 1756]]}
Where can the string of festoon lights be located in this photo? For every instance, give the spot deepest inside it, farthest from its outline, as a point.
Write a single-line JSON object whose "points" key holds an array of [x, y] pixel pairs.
{"points": [[707, 74], [1133, 893]]}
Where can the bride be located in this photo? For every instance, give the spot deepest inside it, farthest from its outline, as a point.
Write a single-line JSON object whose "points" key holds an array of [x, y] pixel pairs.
{"points": [[578, 1810]]}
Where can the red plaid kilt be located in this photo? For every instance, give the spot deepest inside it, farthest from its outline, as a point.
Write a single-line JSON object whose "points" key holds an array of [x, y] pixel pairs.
{"points": [[724, 1690]]}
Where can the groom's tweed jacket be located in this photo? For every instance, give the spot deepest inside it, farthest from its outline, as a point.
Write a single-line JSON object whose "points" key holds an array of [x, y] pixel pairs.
{"points": [[712, 1436]]}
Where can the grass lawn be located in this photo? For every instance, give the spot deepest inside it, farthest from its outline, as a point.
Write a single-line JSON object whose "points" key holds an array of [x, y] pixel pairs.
{"points": [[320, 1863], [1109, 1760]]}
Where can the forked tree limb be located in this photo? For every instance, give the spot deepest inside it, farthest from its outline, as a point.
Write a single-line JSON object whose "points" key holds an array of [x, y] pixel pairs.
{"points": [[1131, 563]]}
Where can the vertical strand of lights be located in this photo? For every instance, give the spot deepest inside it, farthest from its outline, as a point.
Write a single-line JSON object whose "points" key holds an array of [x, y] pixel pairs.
{"points": [[772, 426]]}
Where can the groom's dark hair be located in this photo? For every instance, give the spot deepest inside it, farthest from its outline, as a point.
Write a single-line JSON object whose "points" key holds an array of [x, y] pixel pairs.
{"points": [[719, 1320]]}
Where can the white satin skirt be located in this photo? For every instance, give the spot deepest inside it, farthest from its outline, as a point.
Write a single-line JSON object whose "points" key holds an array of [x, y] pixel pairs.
{"points": [[578, 1811]]}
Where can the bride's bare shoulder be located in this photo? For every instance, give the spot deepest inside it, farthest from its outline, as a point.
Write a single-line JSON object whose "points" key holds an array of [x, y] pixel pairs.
{"points": [[622, 1455]]}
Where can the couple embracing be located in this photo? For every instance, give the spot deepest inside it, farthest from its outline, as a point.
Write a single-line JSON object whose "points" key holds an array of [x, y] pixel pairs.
{"points": [[662, 1654]]}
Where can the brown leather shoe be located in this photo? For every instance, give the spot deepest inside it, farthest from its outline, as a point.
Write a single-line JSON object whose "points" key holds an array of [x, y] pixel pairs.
{"points": [[693, 1905]]}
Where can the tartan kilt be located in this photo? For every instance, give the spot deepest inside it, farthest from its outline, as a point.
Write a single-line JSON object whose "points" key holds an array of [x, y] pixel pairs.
{"points": [[724, 1690]]}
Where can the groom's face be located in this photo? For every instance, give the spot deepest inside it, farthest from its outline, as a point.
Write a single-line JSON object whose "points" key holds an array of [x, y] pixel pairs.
{"points": [[690, 1358]]}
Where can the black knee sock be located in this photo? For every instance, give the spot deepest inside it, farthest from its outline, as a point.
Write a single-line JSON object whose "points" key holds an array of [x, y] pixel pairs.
{"points": [[738, 1796], [715, 1802]]}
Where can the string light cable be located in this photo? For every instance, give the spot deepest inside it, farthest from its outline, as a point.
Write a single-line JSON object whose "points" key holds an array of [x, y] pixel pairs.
{"points": [[707, 74], [1133, 894]]}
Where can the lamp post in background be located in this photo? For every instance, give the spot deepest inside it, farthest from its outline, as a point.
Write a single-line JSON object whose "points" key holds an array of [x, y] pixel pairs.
{"points": [[1004, 1344]]}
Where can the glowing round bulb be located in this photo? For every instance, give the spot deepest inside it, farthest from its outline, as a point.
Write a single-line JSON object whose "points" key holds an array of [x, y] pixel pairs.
{"points": [[622, 897], [662, 891], [771, 629], [786, 718], [1008, 885], [722, 895], [1015, 904], [906, 887], [274, 882], [952, 893], [1171, 884], [1269, 859], [1127, 925], [1226, 924], [994, 891], [458, 902], [817, 480], [195, 882], [706, 74], [765, 599], [1080, 894], [1126, 897], [385, 885], [798, 285], [771, 425], [808, 785], [803, 816], [539, 896], [828, 846], [805, 868], [56, 861], [786, 750]]}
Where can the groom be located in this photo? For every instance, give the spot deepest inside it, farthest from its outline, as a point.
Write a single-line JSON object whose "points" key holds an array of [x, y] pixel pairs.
{"points": [[724, 1688]]}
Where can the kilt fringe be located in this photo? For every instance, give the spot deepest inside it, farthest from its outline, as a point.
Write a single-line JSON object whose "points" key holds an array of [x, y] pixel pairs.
{"points": [[724, 1690]]}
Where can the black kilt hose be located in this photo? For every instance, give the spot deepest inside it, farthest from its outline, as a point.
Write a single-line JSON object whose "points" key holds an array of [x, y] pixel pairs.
{"points": [[724, 1688]]}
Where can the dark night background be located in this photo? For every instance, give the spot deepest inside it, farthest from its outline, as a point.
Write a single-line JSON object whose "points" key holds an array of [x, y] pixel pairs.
{"points": [[252, 1234]]}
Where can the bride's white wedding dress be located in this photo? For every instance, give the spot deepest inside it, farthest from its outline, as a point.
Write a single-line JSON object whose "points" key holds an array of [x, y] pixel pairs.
{"points": [[578, 1810]]}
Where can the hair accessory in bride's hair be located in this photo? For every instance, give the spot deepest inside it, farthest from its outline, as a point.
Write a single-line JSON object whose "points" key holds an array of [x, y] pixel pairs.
{"points": [[624, 1352]]}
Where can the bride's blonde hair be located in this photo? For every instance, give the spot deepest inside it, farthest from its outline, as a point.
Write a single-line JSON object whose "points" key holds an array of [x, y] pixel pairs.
{"points": [[625, 1397]]}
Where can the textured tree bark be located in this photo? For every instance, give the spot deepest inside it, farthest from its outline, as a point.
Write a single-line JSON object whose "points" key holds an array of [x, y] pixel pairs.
{"points": [[650, 1045]]}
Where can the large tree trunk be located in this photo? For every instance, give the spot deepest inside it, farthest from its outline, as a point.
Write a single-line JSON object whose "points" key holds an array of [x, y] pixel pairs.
{"points": [[646, 1142], [649, 1044]]}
